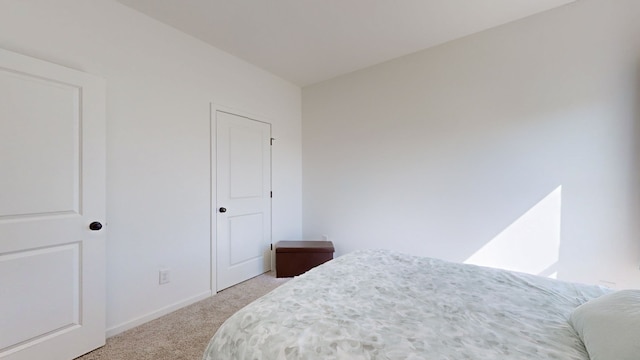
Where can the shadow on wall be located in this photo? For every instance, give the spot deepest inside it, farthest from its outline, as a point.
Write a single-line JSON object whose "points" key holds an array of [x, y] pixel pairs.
{"points": [[531, 244]]}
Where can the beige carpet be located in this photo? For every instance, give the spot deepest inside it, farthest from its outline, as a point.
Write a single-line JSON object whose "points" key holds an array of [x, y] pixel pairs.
{"points": [[185, 333]]}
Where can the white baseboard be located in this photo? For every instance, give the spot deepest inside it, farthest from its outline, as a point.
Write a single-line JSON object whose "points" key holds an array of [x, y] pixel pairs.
{"points": [[156, 314]]}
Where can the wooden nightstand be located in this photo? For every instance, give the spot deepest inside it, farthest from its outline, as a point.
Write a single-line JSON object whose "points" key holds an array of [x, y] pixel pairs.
{"points": [[296, 257]]}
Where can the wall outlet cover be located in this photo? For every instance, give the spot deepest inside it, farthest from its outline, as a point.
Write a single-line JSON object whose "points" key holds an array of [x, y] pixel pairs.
{"points": [[164, 276]]}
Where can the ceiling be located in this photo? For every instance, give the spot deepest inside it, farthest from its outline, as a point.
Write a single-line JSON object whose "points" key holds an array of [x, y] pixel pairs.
{"points": [[308, 41]]}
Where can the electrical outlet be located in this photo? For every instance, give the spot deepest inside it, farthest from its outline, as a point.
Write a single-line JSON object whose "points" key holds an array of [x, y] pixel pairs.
{"points": [[164, 276]]}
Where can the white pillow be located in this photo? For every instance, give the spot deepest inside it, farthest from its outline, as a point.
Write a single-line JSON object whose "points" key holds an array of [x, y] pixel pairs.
{"points": [[609, 326]]}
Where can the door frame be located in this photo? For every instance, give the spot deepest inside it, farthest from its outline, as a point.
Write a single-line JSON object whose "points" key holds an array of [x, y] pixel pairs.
{"points": [[215, 107]]}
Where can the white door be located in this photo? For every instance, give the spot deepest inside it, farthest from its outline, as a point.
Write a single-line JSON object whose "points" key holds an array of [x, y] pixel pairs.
{"points": [[52, 187], [243, 188]]}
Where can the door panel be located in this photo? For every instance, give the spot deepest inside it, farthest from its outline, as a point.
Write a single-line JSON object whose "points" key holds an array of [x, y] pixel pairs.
{"points": [[245, 163], [243, 231], [44, 178], [52, 160], [247, 233], [54, 293]]}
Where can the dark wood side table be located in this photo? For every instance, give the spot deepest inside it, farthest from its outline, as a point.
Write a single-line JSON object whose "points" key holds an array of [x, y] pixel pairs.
{"points": [[297, 257]]}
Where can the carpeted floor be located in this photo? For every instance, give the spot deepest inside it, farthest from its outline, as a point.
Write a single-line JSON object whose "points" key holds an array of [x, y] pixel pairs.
{"points": [[185, 333]]}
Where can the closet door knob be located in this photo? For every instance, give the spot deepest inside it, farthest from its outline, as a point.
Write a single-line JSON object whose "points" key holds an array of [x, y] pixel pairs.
{"points": [[223, 210], [95, 226]]}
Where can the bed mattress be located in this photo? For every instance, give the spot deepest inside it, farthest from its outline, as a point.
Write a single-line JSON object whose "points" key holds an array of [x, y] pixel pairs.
{"points": [[377, 304]]}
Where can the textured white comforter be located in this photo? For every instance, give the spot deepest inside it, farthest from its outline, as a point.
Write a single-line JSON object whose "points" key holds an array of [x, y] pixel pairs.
{"points": [[381, 305]]}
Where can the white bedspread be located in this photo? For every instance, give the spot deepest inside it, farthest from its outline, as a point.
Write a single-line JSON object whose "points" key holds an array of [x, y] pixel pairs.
{"points": [[382, 305]]}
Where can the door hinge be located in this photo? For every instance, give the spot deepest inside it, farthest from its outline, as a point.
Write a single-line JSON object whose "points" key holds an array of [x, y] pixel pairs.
{"points": [[271, 194], [272, 141], [271, 246]]}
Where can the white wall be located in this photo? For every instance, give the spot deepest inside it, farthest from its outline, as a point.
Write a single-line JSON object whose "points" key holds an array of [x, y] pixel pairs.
{"points": [[518, 138], [160, 83]]}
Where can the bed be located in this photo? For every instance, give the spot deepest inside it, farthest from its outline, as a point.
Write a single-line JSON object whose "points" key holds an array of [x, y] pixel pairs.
{"points": [[377, 304]]}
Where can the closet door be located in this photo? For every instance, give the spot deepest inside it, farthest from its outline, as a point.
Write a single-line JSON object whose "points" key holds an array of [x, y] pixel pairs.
{"points": [[243, 212], [52, 210]]}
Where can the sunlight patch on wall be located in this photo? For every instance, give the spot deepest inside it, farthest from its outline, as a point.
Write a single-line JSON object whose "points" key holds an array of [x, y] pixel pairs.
{"points": [[530, 244]]}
